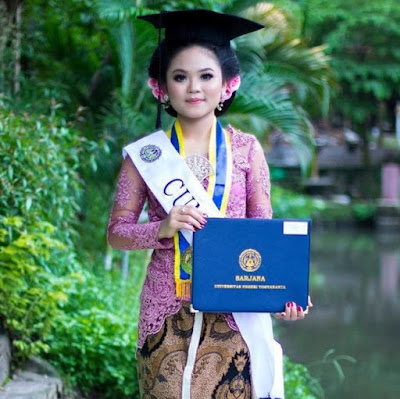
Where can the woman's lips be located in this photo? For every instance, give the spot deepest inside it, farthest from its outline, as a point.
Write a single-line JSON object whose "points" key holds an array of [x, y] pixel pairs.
{"points": [[194, 100]]}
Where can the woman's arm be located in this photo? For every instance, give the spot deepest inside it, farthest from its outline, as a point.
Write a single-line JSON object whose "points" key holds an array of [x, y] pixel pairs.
{"points": [[258, 203], [123, 230]]}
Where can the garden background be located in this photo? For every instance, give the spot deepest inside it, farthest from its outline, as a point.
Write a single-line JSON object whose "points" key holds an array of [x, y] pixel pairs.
{"points": [[73, 91]]}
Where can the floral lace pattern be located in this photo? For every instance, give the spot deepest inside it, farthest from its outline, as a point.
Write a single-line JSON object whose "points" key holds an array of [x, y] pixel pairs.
{"points": [[122, 196], [249, 197]]}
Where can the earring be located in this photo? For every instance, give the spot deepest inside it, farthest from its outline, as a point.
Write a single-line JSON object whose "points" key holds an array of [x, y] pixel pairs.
{"points": [[220, 106], [166, 104]]}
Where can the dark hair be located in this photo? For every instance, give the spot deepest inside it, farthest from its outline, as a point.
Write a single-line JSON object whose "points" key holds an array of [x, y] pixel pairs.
{"points": [[225, 55]]}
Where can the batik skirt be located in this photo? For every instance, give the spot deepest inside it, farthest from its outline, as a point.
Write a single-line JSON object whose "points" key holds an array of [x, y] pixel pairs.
{"points": [[222, 366]]}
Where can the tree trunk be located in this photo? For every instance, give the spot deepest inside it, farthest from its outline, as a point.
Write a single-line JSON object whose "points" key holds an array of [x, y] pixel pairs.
{"points": [[398, 123], [381, 116], [17, 49]]}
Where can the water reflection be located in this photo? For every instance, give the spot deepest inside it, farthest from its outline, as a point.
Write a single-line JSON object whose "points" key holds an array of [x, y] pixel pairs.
{"points": [[355, 289]]}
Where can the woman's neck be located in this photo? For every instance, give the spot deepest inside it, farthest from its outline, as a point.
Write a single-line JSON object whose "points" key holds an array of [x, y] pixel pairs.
{"points": [[198, 130], [196, 135]]}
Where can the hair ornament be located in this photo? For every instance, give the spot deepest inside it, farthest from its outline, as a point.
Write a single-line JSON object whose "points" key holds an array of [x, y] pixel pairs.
{"points": [[232, 85], [156, 89]]}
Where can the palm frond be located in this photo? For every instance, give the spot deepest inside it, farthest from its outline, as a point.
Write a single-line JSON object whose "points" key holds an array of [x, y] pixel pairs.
{"points": [[116, 10], [275, 110], [123, 38]]}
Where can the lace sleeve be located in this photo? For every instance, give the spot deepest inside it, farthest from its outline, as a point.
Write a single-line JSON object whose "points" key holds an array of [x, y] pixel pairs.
{"points": [[123, 231], [258, 184]]}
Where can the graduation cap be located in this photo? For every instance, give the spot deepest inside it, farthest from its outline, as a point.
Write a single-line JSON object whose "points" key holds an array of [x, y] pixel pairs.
{"points": [[201, 25]]}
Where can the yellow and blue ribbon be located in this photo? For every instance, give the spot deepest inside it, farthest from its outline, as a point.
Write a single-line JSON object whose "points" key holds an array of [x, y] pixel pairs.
{"points": [[219, 187]]}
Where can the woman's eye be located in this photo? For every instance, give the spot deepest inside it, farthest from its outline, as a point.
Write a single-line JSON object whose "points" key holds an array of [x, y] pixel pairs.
{"points": [[179, 78], [206, 76]]}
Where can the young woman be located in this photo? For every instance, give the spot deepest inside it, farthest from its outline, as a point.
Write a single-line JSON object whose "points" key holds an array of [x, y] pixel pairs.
{"points": [[195, 74]]}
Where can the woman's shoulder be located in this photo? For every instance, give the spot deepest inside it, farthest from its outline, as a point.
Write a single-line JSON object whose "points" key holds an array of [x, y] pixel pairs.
{"points": [[241, 139]]}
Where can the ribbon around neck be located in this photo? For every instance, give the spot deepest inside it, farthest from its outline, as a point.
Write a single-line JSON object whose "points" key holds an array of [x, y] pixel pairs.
{"points": [[219, 187]]}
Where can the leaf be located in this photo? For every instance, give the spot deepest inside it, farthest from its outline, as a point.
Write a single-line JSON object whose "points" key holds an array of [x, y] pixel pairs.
{"points": [[28, 203]]}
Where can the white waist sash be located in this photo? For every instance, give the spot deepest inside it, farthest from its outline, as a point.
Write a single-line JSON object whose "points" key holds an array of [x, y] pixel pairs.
{"points": [[173, 183]]}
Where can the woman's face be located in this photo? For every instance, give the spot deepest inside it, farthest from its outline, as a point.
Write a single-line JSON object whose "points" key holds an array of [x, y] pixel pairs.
{"points": [[194, 83]]}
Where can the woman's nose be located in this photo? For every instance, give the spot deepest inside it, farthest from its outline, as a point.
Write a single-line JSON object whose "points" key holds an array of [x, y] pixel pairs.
{"points": [[194, 86]]}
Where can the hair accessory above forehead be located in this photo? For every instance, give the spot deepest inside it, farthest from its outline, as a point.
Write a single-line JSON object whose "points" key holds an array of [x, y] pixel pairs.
{"points": [[201, 25]]}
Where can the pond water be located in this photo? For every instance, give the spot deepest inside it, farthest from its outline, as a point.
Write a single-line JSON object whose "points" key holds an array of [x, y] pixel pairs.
{"points": [[355, 290]]}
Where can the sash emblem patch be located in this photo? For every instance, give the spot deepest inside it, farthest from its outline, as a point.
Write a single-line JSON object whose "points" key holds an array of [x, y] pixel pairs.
{"points": [[150, 153]]}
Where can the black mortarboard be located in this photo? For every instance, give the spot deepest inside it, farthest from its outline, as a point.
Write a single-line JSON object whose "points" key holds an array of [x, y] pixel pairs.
{"points": [[201, 25]]}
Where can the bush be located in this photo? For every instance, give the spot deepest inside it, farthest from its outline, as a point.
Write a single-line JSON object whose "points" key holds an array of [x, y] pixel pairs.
{"points": [[299, 383], [95, 343], [84, 324], [30, 293], [288, 204], [41, 157]]}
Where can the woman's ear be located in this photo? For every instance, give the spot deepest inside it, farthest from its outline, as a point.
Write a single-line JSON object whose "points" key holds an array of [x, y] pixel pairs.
{"points": [[223, 91]]}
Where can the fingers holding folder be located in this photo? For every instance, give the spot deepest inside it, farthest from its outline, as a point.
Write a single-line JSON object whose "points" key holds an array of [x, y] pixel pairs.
{"points": [[294, 312]]}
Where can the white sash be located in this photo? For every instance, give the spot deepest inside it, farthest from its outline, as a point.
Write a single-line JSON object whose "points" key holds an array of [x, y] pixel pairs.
{"points": [[173, 183]]}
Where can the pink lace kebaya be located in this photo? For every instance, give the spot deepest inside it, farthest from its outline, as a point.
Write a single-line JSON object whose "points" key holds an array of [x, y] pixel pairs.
{"points": [[249, 197]]}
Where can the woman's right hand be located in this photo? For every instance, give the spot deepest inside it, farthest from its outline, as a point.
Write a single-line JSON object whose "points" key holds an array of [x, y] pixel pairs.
{"points": [[181, 217]]}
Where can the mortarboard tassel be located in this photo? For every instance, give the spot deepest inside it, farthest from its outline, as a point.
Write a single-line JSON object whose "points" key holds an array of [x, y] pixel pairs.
{"points": [[159, 104]]}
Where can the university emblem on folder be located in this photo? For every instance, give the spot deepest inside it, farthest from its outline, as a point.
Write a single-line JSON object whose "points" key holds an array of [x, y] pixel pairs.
{"points": [[250, 260], [150, 153]]}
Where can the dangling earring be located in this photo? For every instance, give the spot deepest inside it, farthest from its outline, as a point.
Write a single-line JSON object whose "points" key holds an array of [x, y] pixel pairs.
{"points": [[221, 101], [166, 103]]}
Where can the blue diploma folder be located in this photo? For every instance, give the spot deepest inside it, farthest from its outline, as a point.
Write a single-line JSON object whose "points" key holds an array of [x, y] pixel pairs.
{"points": [[250, 265]]}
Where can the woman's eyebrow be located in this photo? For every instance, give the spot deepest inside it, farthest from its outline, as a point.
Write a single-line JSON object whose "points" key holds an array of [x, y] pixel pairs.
{"points": [[184, 71]]}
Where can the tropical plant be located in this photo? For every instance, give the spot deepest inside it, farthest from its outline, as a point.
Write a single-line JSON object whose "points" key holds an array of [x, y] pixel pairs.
{"points": [[299, 383], [31, 293], [362, 39], [62, 50], [95, 341], [282, 78], [42, 157]]}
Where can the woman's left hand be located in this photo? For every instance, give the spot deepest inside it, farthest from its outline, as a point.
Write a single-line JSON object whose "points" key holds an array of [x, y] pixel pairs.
{"points": [[294, 312]]}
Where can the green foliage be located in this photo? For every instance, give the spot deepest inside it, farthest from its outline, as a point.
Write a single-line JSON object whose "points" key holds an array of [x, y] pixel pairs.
{"points": [[7, 47], [364, 211], [334, 363], [332, 212], [283, 79], [41, 158], [85, 325], [299, 383], [65, 46], [362, 38], [94, 343], [30, 291], [287, 204]]}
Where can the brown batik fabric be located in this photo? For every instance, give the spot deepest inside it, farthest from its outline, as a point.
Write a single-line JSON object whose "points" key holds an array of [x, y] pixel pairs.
{"points": [[222, 367]]}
